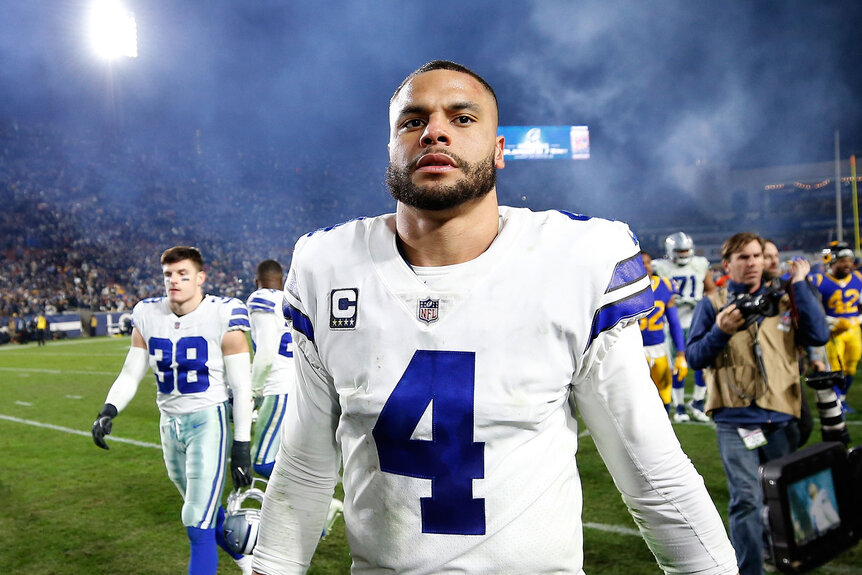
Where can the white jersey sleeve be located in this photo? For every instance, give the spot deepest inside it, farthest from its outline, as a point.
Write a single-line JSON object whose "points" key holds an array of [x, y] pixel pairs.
{"points": [[306, 467], [661, 488], [185, 351], [273, 367]]}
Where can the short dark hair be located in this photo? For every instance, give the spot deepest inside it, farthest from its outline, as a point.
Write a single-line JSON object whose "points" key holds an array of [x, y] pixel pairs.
{"points": [[446, 65], [270, 272], [180, 253], [737, 242]]}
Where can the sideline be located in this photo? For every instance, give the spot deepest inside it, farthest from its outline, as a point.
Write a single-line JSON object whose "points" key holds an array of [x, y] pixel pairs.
{"points": [[64, 343], [56, 371]]}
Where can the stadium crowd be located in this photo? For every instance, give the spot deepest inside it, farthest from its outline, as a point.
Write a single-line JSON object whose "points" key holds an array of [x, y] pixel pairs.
{"points": [[82, 218]]}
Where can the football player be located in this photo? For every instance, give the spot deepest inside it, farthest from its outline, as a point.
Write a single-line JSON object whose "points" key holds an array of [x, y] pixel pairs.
{"points": [[652, 330], [442, 354], [273, 375], [840, 289], [691, 278], [191, 342]]}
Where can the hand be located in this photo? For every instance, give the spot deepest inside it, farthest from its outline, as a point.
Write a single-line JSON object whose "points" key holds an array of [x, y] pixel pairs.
{"points": [[680, 366], [103, 424], [841, 325], [240, 464], [730, 319], [799, 269]]}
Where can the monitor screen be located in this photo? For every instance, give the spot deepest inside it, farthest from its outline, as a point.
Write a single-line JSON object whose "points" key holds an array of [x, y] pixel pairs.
{"points": [[813, 506]]}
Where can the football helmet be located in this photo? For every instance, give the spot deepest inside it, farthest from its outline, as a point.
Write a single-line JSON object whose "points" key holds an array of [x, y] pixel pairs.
{"points": [[835, 250], [679, 248], [241, 524]]}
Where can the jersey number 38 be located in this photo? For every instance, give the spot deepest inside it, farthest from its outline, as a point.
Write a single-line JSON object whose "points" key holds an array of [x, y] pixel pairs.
{"points": [[191, 374]]}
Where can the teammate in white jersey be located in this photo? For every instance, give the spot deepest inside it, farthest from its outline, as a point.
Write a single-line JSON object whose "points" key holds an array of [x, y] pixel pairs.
{"points": [[457, 434], [691, 277], [191, 342], [273, 374]]}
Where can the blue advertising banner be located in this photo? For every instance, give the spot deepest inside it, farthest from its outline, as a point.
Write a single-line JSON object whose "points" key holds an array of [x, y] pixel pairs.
{"points": [[546, 142]]}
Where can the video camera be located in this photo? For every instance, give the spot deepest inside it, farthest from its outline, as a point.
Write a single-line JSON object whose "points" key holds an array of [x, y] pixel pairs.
{"points": [[813, 503], [754, 307]]}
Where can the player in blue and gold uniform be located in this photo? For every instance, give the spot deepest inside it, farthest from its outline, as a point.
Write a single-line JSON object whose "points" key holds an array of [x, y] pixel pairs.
{"points": [[840, 288], [652, 330]]}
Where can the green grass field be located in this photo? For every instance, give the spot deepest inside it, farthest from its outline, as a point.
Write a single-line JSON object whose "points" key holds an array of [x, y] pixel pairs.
{"points": [[71, 508]]}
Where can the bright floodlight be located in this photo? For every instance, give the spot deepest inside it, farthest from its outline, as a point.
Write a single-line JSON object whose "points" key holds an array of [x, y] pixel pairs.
{"points": [[113, 30]]}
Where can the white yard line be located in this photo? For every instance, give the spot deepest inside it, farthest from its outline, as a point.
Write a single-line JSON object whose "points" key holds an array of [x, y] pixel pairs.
{"points": [[63, 343], [56, 371], [111, 438]]}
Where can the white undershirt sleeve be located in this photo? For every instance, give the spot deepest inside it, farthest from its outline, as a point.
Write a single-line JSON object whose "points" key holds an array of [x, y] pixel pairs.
{"points": [[238, 370], [126, 385], [267, 329], [305, 473], [661, 488]]}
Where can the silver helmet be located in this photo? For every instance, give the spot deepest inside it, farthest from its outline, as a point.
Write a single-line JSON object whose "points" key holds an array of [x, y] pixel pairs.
{"points": [[679, 248], [241, 524]]}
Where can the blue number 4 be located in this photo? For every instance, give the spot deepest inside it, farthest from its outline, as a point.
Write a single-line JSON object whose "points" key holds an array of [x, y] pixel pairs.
{"points": [[451, 459], [285, 347]]}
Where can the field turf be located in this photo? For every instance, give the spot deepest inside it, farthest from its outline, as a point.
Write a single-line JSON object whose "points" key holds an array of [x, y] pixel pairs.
{"points": [[67, 507]]}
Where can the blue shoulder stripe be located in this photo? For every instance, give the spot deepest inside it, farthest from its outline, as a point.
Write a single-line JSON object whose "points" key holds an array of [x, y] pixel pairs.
{"points": [[611, 314], [261, 304], [626, 273], [300, 321], [239, 311], [239, 321], [574, 216]]}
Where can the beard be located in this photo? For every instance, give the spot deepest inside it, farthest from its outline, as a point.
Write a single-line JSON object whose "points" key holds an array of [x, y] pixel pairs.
{"points": [[478, 179]]}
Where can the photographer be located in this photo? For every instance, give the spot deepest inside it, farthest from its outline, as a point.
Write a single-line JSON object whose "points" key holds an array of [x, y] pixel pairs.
{"points": [[745, 336]]}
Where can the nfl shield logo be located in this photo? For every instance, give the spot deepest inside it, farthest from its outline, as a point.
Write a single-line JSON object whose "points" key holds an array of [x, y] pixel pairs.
{"points": [[428, 309], [177, 325]]}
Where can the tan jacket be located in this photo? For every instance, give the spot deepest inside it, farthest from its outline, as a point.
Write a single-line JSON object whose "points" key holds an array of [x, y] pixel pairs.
{"points": [[735, 380]]}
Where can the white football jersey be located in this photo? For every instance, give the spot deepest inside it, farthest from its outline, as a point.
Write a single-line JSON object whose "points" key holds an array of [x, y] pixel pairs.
{"points": [[452, 404], [270, 302], [687, 282], [185, 351]]}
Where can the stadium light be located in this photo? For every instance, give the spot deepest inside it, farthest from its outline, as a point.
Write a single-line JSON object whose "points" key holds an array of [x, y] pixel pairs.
{"points": [[113, 30]]}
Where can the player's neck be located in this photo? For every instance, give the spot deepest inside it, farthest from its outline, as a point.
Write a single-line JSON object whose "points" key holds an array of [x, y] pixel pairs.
{"points": [[431, 239], [182, 308]]}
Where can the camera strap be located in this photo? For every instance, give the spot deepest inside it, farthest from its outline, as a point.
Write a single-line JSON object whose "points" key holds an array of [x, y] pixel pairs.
{"points": [[758, 357], [794, 311]]}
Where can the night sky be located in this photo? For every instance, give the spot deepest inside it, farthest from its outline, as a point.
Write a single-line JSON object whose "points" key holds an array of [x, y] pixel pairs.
{"points": [[661, 84]]}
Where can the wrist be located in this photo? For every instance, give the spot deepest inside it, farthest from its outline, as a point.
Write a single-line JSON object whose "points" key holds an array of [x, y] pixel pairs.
{"points": [[108, 410]]}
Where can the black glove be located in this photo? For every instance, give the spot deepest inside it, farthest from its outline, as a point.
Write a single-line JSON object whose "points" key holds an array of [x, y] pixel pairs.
{"points": [[240, 464], [102, 425]]}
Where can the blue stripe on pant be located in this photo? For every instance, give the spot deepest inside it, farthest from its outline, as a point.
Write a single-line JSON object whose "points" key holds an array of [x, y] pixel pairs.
{"points": [[194, 446], [267, 433]]}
